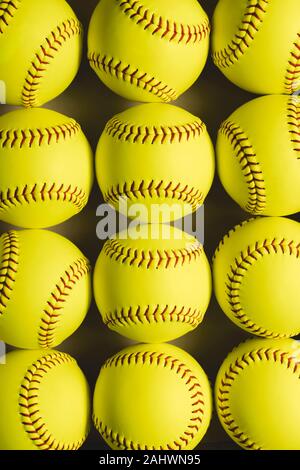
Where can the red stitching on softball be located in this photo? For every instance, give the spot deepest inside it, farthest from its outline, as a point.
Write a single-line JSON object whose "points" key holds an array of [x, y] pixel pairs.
{"points": [[250, 166], [294, 123], [44, 56], [63, 289], [8, 267], [194, 389], [152, 258], [129, 132], [19, 138], [8, 10], [239, 268], [293, 69], [148, 314], [253, 18], [133, 75], [164, 28], [11, 198], [228, 235], [286, 359], [31, 418], [137, 190]]}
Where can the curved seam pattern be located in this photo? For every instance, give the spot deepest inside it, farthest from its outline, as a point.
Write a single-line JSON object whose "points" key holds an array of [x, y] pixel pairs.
{"points": [[255, 12], [128, 73], [30, 413], [143, 134], [12, 198], [19, 138], [250, 166], [134, 191], [149, 358], [228, 235], [233, 372], [294, 123], [170, 30], [8, 267], [154, 259], [293, 70], [151, 314], [43, 57], [63, 289], [240, 267], [8, 10]]}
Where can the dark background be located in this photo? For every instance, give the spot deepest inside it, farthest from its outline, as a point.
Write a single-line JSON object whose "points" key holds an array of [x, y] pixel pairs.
{"points": [[212, 98]]}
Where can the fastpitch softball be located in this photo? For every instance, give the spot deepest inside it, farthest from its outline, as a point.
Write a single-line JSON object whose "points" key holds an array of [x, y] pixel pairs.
{"points": [[148, 50], [155, 155], [256, 44], [41, 45], [46, 168], [154, 288], [256, 272], [152, 397], [45, 402], [258, 155], [45, 288], [257, 394]]}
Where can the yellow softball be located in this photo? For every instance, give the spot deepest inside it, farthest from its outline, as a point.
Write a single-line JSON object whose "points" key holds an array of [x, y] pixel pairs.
{"points": [[45, 402], [147, 50], [152, 397], [155, 155], [258, 155], [46, 168], [41, 45], [153, 288], [256, 44], [45, 288], [257, 394], [256, 272]]}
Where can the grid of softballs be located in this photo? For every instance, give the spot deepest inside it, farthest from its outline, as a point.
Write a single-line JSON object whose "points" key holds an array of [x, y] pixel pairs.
{"points": [[152, 282]]}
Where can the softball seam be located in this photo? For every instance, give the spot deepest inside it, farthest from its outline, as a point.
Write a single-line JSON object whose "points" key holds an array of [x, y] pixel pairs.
{"points": [[253, 18], [135, 134], [293, 69], [12, 198], [8, 9], [128, 73], [242, 263], [148, 358], [8, 267], [136, 190], [151, 314], [56, 39], [294, 123], [63, 289], [20, 138], [250, 166], [164, 28], [228, 235], [31, 417], [229, 376], [158, 259]]}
